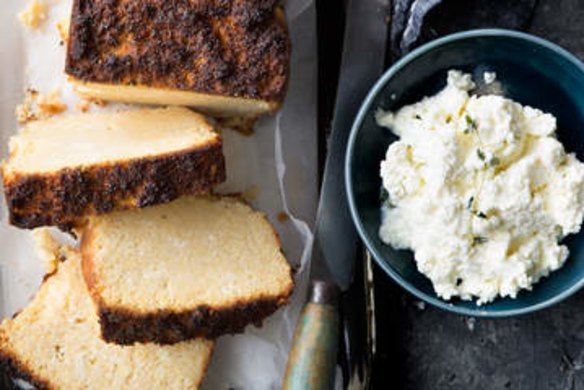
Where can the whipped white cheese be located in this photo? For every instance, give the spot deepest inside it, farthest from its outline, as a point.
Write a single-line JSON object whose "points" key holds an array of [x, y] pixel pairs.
{"points": [[481, 190]]}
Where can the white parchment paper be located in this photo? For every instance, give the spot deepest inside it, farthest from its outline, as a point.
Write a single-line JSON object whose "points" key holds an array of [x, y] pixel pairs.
{"points": [[277, 165]]}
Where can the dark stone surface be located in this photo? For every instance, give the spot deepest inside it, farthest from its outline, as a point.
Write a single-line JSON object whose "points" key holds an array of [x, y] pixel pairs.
{"points": [[420, 347]]}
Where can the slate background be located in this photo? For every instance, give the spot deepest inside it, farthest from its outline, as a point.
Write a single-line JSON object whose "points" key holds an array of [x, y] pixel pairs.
{"points": [[418, 346]]}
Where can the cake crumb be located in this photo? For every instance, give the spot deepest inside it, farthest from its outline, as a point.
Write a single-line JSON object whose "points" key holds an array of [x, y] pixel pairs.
{"points": [[63, 28], [51, 104], [97, 102], [283, 216], [83, 106], [250, 194], [242, 124], [37, 106], [25, 111], [33, 15]]}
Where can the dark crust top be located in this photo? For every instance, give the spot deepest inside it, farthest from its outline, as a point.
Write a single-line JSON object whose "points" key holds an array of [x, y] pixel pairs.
{"points": [[125, 327], [11, 368], [64, 197], [224, 47]]}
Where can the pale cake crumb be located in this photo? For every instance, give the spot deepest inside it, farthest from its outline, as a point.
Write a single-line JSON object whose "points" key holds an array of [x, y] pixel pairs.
{"points": [[83, 106], [63, 28], [51, 104], [97, 102], [242, 124], [33, 15], [36, 106], [32, 92], [25, 111]]}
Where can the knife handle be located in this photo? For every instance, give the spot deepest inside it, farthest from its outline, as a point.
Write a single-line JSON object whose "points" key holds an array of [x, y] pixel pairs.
{"points": [[313, 356]]}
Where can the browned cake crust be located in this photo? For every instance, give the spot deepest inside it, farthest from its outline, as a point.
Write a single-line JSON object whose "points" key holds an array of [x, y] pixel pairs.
{"points": [[63, 197], [11, 368], [125, 327], [225, 47]]}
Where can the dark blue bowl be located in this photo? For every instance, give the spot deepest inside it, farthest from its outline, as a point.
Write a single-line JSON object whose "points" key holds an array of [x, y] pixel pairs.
{"points": [[532, 71]]}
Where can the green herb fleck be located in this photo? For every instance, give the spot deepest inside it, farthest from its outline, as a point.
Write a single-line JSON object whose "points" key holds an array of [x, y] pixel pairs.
{"points": [[384, 198], [418, 117], [458, 281], [470, 202], [495, 161], [559, 233], [476, 240], [481, 154], [384, 195], [471, 124], [482, 215]]}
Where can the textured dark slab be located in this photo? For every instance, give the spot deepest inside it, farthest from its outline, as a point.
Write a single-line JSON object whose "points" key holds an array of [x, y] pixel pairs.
{"points": [[232, 48], [420, 347]]}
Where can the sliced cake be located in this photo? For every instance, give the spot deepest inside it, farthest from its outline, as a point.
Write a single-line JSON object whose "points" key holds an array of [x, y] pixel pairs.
{"points": [[195, 267], [226, 58], [55, 343], [62, 169]]}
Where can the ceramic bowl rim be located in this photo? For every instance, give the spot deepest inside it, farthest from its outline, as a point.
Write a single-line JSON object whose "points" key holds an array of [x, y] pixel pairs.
{"points": [[357, 124]]}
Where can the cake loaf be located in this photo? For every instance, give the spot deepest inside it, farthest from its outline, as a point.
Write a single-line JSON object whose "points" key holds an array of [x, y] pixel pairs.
{"points": [[62, 169], [225, 58], [54, 343], [195, 267]]}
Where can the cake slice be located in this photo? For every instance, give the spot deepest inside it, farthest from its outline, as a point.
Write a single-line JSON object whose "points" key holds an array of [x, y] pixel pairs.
{"points": [[62, 169], [55, 343], [196, 267], [225, 58]]}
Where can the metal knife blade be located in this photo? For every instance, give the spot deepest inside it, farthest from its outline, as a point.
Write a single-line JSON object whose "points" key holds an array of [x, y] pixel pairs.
{"points": [[312, 357], [363, 58]]}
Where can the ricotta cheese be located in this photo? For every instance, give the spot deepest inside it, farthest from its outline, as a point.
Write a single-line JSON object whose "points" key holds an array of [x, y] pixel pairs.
{"points": [[480, 189]]}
